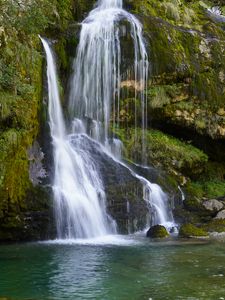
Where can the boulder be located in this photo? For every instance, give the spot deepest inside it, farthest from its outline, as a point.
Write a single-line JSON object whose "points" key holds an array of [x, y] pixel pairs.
{"points": [[213, 205], [221, 215], [157, 231]]}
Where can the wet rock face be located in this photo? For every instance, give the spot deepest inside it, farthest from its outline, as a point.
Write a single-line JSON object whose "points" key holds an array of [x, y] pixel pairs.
{"points": [[35, 221], [124, 192], [29, 226], [157, 231], [36, 169]]}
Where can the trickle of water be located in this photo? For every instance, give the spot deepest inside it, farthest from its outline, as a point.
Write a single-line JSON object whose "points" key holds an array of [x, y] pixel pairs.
{"points": [[156, 199], [215, 10], [78, 190]]}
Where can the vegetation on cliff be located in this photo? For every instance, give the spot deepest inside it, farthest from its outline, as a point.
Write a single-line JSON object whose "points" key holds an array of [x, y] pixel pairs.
{"points": [[186, 98], [21, 99]]}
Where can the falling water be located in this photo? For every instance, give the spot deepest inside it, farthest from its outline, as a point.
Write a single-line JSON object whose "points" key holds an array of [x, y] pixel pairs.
{"points": [[78, 190], [96, 82], [94, 103], [157, 201]]}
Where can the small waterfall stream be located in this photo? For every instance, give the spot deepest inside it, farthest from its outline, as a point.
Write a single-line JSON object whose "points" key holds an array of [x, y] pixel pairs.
{"points": [[94, 103]]}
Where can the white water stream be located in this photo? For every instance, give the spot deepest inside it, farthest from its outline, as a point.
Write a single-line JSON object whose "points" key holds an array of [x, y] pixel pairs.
{"points": [[80, 200], [96, 81], [78, 191]]}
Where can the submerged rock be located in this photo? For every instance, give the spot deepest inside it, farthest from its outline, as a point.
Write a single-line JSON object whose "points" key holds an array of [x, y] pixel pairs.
{"points": [[157, 231], [190, 230]]}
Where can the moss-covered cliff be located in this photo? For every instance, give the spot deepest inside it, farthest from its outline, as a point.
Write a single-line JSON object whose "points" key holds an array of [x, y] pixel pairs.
{"points": [[186, 98], [187, 62], [20, 106]]}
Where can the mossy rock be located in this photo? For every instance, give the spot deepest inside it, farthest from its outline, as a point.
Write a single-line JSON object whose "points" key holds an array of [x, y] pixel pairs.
{"points": [[163, 150], [187, 63], [194, 204], [215, 225], [190, 230], [184, 216], [157, 232], [204, 188]]}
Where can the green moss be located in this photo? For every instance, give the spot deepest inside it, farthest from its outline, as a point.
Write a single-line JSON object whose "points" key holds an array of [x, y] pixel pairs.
{"points": [[158, 97], [64, 9], [217, 225], [195, 189], [161, 95], [20, 100], [60, 49], [193, 204], [206, 189], [172, 10], [214, 189], [177, 53], [189, 230], [210, 183], [164, 150]]}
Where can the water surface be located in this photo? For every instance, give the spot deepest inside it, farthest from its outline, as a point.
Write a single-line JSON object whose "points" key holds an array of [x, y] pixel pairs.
{"points": [[120, 269]]}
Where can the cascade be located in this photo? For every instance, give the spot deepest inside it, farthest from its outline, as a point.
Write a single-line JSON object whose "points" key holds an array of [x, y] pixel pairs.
{"points": [[78, 190], [96, 81], [94, 104]]}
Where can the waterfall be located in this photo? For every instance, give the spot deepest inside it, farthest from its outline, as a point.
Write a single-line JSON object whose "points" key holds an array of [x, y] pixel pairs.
{"points": [[78, 190], [94, 104], [96, 81]]}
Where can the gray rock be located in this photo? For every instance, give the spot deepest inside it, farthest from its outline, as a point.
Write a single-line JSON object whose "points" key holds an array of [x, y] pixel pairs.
{"points": [[213, 205], [220, 215], [36, 169]]}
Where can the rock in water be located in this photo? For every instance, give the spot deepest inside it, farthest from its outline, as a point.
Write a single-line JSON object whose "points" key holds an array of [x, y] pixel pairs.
{"points": [[157, 231]]}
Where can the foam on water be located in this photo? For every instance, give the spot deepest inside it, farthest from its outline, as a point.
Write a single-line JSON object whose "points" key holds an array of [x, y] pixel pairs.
{"points": [[117, 240]]}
